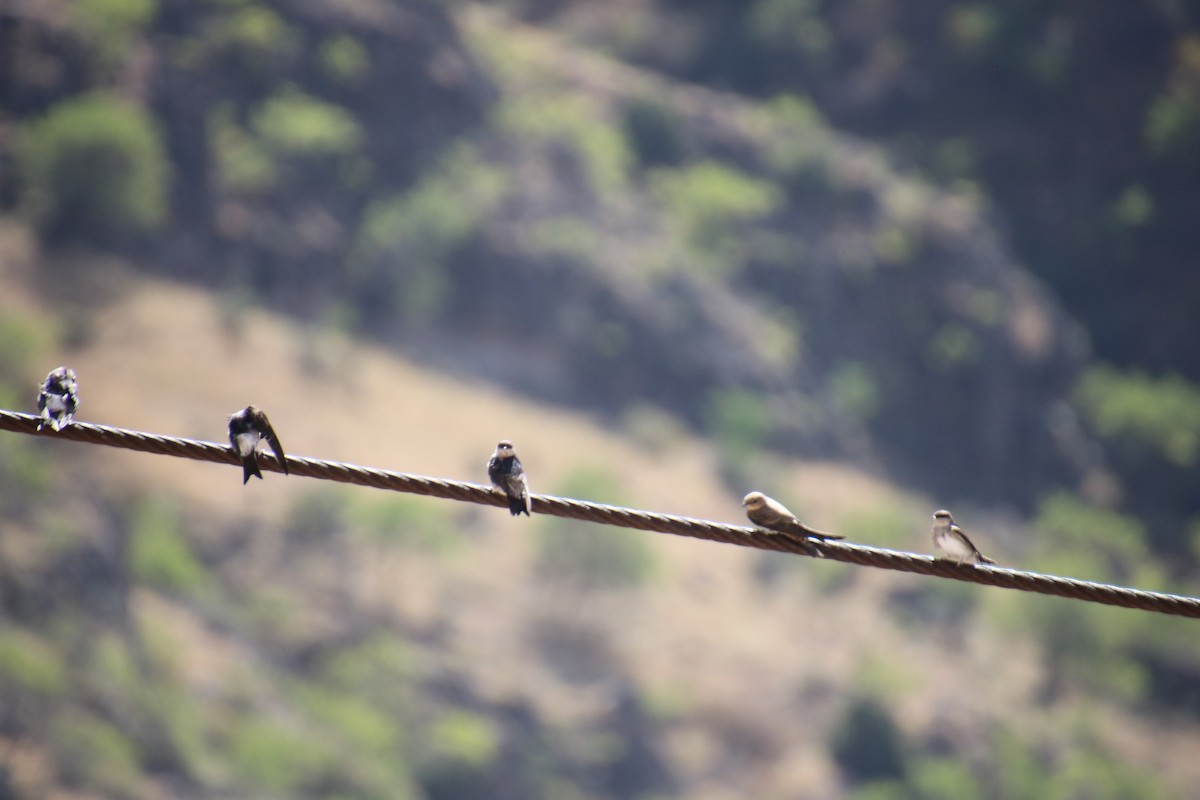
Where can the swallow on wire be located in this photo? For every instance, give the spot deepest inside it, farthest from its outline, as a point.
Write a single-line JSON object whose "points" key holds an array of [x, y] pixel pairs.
{"points": [[953, 541], [58, 399], [247, 429], [506, 474], [769, 513]]}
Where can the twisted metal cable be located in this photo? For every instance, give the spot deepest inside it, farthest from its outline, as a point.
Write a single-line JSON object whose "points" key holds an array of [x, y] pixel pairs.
{"points": [[741, 536]]}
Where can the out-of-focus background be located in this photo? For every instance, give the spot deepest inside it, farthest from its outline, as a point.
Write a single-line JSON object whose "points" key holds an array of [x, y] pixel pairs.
{"points": [[871, 257]]}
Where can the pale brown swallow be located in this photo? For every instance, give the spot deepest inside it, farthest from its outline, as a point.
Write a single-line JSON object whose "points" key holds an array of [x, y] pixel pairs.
{"points": [[766, 512], [953, 541]]}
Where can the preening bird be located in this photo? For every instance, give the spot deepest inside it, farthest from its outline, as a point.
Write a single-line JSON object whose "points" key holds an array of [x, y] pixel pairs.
{"points": [[247, 429], [58, 399]]}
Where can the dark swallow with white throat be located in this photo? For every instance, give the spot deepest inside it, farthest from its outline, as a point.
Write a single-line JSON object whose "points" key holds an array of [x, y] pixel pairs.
{"points": [[247, 429], [506, 474]]}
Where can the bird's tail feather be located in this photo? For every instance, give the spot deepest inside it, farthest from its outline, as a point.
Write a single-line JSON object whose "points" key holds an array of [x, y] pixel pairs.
{"points": [[250, 467]]}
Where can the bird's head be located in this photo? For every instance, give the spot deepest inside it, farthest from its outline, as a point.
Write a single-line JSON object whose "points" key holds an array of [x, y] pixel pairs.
{"points": [[943, 515], [61, 376], [505, 449], [754, 500]]}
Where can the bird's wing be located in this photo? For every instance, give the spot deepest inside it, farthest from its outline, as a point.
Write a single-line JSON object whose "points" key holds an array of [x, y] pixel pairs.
{"points": [[276, 445], [978, 555], [798, 527], [525, 494]]}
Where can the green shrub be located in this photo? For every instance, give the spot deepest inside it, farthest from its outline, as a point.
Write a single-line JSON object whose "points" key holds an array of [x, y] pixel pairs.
{"points": [[713, 193], [854, 390], [465, 738], [1091, 774], [953, 345], [589, 556], [1064, 764], [276, 758], [740, 421], [367, 758], [801, 148], [254, 36], [30, 666], [574, 238], [1071, 531], [367, 730], [170, 729], [159, 554], [943, 779], [409, 522], [462, 748], [1017, 769], [344, 59], [1084, 644], [888, 523], [91, 165], [405, 242], [244, 164], [1172, 126], [381, 668], [1134, 208], [789, 25], [93, 754], [895, 244], [144, 678], [1144, 414], [708, 201], [973, 27], [577, 124], [112, 27], [292, 123]]}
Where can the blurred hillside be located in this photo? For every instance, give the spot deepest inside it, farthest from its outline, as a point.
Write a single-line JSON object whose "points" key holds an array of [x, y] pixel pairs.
{"points": [[167, 632], [675, 253], [503, 206]]}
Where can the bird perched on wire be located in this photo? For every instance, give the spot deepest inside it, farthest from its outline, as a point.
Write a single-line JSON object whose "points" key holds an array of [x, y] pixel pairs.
{"points": [[247, 429], [506, 474], [58, 399], [953, 541], [767, 512]]}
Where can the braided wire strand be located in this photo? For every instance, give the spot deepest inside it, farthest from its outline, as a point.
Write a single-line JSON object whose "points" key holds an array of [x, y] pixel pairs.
{"points": [[861, 555]]}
